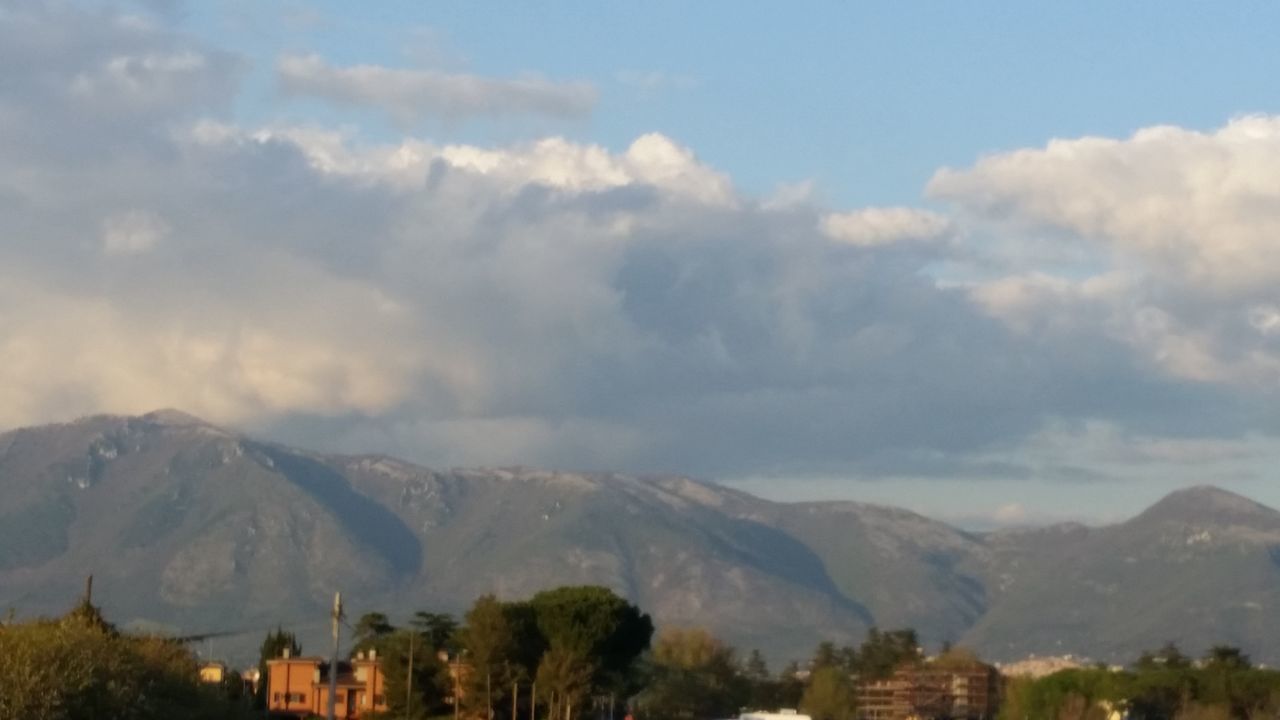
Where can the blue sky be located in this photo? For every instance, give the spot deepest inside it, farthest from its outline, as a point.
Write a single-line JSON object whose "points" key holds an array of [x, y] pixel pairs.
{"points": [[998, 263], [866, 100]]}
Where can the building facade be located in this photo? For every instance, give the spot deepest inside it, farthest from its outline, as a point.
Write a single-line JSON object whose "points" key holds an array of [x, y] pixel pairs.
{"points": [[299, 686], [927, 691]]}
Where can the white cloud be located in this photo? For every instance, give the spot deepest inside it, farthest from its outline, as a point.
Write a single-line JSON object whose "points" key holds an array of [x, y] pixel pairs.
{"points": [[1186, 222], [412, 95], [652, 160], [1201, 208], [870, 227]]}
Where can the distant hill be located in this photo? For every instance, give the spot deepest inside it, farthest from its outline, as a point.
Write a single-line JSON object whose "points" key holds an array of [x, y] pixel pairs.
{"points": [[191, 528]]}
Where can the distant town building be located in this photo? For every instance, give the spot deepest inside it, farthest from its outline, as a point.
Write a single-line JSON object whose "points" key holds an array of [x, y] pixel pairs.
{"points": [[251, 676], [300, 686], [213, 673], [1038, 667], [963, 690]]}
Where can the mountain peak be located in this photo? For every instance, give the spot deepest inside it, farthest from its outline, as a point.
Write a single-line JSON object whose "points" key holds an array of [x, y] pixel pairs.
{"points": [[1207, 503], [173, 417], [171, 420]]}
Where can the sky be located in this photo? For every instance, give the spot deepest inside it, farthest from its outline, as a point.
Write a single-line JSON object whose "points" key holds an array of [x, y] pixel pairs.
{"points": [[999, 264]]}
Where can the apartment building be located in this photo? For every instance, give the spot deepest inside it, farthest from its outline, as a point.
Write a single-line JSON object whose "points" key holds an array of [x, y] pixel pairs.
{"points": [[299, 686], [932, 691]]}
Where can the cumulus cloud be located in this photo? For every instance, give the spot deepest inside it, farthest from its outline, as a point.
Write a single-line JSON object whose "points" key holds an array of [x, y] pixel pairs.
{"points": [[1200, 207], [562, 303], [1184, 223], [412, 95]]}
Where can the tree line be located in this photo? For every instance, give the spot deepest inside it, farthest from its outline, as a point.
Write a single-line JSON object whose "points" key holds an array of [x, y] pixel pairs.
{"points": [[1160, 685], [581, 653], [585, 652], [572, 645]]}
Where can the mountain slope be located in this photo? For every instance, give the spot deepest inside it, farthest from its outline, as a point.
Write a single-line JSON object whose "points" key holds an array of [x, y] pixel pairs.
{"points": [[189, 527], [1199, 567], [180, 521]]}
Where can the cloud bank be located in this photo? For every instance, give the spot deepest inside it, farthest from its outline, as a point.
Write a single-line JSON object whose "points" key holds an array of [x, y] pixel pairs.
{"points": [[559, 303]]}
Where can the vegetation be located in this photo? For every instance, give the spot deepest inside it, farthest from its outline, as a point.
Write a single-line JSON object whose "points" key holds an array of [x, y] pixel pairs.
{"points": [[578, 644], [1160, 685], [587, 651], [829, 695], [694, 675], [79, 667]]}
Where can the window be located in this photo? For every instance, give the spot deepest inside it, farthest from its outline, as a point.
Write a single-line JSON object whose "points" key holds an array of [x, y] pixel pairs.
{"points": [[275, 697]]}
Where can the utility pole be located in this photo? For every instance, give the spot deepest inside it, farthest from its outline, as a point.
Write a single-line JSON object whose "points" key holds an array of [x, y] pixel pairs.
{"points": [[333, 659], [533, 700], [515, 698], [408, 686], [488, 697], [457, 691]]}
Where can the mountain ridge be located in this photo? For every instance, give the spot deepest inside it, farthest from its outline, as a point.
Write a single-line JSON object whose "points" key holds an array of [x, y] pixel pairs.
{"points": [[188, 524]]}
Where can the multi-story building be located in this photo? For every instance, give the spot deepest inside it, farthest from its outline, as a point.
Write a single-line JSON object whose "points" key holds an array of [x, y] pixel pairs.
{"points": [[967, 690], [300, 686]]}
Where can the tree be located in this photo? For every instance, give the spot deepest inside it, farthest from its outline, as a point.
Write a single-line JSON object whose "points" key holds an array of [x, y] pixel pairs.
{"points": [[370, 627], [693, 675], [430, 677], [439, 629], [1168, 656], [564, 680], [763, 690], [1227, 657], [829, 695], [273, 646], [488, 641], [883, 652], [755, 667], [527, 641], [591, 625], [826, 655], [790, 687]]}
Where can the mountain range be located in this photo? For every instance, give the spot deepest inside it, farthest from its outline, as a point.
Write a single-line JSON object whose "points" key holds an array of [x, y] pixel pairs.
{"points": [[191, 528]]}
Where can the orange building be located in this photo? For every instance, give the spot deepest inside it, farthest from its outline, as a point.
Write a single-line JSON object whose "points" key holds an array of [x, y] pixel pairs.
{"points": [[300, 686]]}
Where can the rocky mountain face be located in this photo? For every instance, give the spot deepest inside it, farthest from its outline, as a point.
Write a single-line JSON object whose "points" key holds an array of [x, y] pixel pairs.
{"points": [[189, 528]]}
